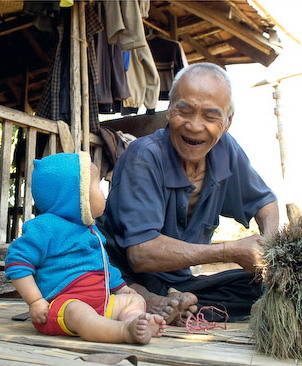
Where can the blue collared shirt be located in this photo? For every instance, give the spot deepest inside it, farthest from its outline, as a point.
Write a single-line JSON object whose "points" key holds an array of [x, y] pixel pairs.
{"points": [[150, 193]]}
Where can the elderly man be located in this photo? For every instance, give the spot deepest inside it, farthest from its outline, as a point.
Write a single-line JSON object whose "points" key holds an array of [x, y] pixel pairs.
{"points": [[169, 189]]}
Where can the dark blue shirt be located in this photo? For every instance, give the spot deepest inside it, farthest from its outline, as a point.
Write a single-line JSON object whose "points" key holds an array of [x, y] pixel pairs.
{"points": [[150, 193]]}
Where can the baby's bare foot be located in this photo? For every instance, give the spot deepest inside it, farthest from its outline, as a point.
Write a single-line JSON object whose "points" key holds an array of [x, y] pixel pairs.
{"points": [[157, 324], [144, 327]]}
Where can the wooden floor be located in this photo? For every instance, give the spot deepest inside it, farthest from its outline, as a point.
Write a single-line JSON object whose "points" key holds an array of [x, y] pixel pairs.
{"points": [[21, 344]]}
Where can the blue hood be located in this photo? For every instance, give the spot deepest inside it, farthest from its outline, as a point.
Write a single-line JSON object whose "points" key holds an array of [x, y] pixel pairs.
{"points": [[60, 185]]}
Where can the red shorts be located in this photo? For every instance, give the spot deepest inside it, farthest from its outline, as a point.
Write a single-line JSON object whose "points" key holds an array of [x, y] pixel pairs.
{"points": [[89, 288]]}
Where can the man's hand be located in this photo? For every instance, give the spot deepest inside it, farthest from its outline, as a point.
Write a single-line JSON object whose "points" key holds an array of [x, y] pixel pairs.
{"points": [[39, 311], [246, 252], [126, 290]]}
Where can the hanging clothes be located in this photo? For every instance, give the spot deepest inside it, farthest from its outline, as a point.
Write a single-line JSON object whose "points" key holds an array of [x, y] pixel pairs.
{"points": [[112, 83], [55, 103], [169, 58], [124, 25], [143, 81]]}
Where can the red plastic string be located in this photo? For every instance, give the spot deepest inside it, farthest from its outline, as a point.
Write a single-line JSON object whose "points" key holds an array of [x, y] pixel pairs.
{"points": [[198, 321]]}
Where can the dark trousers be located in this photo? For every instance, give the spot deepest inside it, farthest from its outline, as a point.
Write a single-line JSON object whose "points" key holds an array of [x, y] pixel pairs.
{"points": [[233, 291]]}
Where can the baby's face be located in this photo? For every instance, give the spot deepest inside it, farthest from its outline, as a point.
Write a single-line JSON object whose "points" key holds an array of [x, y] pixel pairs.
{"points": [[97, 198]]}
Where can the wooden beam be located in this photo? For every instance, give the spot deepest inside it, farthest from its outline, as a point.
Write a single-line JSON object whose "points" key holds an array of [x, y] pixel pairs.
{"points": [[207, 34], [15, 90], [220, 48], [236, 60], [193, 28], [203, 11], [27, 108], [35, 46], [250, 51], [156, 13], [32, 74], [201, 49], [15, 29], [154, 26], [173, 27]]}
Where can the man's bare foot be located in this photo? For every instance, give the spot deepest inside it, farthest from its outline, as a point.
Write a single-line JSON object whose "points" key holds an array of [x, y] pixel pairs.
{"points": [[168, 307], [144, 327], [186, 306]]}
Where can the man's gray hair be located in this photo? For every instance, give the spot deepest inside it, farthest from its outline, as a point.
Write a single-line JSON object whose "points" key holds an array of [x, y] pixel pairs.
{"points": [[202, 68]]}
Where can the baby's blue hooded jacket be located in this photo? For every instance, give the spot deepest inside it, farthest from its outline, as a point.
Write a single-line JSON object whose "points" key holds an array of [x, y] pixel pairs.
{"points": [[59, 245]]}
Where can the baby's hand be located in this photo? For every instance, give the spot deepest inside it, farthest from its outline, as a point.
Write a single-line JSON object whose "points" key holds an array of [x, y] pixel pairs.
{"points": [[38, 311], [126, 290]]}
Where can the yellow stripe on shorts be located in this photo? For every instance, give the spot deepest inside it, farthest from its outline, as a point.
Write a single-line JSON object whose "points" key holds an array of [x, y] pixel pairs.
{"points": [[108, 313], [61, 318]]}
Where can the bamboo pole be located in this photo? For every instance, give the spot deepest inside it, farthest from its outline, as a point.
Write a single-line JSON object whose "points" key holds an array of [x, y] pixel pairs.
{"points": [[84, 77], [280, 135], [75, 79]]}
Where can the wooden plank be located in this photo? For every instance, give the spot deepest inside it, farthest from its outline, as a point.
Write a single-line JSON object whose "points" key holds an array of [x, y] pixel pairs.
{"points": [[13, 353], [26, 120], [66, 140], [17, 354], [192, 351], [29, 157], [75, 79], [7, 130]]}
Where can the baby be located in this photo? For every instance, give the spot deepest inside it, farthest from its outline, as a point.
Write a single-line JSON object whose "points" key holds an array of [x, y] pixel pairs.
{"points": [[59, 265]]}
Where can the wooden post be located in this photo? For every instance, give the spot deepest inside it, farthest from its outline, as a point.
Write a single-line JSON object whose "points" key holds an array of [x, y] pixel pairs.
{"points": [[5, 162], [84, 77], [29, 157], [75, 78], [173, 27]]}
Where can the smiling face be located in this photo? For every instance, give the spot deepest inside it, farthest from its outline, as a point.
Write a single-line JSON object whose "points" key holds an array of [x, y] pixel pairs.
{"points": [[96, 198], [199, 115]]}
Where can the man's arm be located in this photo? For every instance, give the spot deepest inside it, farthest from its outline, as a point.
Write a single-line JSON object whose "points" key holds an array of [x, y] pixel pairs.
{"points": [[164, 254], [267, 218], [167, 254]]}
